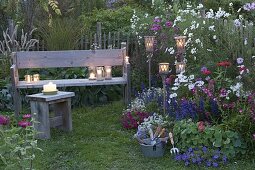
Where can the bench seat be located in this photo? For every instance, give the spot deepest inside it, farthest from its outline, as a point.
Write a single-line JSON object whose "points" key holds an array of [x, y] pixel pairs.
{"points": [[71, 82]]}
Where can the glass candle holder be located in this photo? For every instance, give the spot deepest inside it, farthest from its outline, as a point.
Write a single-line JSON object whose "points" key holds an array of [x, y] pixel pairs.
{"points": [[36, 77], [92, 73], [100, 73], [28, 78], [127, 60], [108, 72]]}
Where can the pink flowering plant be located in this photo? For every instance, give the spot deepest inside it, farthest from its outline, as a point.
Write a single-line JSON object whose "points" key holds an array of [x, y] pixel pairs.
{"points": [[131, 119], [17, 142]]}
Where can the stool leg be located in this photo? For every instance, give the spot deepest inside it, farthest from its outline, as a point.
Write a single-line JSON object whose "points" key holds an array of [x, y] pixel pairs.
{"points": [[64, 109], [42, 116]]}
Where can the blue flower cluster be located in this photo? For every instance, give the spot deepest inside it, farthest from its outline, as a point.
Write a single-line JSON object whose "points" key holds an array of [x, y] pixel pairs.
{"points": [[202, 156]]}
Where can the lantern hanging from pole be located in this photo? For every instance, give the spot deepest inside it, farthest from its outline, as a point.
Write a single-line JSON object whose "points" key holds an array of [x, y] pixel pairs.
{"points": [[149, 43], [180, 67], [163, 68], [180, 43]]}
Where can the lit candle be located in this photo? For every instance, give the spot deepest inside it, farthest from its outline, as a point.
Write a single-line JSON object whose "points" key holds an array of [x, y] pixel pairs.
{"points": [[36, 77], [100, 73], [108, 71], [50, 87], [92, 73], [28, 78], [127, 59]]}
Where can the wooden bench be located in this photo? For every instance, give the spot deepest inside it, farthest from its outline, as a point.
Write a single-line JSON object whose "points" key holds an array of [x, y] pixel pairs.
{"points": [[68, 59]]}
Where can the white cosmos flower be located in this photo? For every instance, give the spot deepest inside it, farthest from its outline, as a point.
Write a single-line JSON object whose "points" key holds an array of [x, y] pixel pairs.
{"points": [[173, 95], [191, 86], [174, 88]]}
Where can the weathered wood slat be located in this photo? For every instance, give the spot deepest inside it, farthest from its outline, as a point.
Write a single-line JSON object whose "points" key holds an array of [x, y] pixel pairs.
{"points": [[72, 58], [47, 98], [56, 121], [72, 82]]}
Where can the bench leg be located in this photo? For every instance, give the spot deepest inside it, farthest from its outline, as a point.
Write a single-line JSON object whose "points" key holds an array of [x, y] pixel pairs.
{"points": [[42, 116], [16, 102], [64, 109], [127, 94]]}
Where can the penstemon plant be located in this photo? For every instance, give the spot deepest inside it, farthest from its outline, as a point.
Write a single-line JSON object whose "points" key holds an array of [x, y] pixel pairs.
{"points": [[17, 143]]}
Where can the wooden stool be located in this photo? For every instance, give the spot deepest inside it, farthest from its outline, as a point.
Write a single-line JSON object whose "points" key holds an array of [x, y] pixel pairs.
{"points": [[61, 102]]}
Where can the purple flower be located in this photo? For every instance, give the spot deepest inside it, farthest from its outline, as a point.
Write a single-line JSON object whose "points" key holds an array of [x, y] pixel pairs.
{"points": [[156, 27], [157, 19], [4, 120], [239, 60], [203, 69], [253, 136], [24, 124], [190, 150], [169, 24], [194, 160], [208, 163], [184, 157], [215, 156], [178, 157], [204, 149], [215, 164]]}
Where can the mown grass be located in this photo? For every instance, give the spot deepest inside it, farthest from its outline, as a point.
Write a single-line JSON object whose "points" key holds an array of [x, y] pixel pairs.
{"points": [[99, 142]]}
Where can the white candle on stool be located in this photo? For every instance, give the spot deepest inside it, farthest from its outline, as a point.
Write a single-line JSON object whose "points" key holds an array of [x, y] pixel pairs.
{"points": [[49, 87]]}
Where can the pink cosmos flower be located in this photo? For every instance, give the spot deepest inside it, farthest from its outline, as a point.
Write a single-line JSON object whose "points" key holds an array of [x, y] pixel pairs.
{"points": [[26, 116], [24, 124], [4, 120]]}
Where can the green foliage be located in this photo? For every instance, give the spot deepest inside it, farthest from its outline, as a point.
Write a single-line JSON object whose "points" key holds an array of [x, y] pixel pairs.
{"points": [[112, 20], [63, 34], [187, 135], [17, 147]]}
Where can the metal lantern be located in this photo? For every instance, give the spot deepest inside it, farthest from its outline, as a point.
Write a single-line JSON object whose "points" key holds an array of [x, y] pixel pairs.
{"points": [[92, 73], [163, 68], [100, 73], [180, 67], [180, 43], [108, 72], [149, 43]]}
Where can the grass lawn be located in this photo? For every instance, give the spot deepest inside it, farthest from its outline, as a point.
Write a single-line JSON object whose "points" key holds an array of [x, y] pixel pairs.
{"points": [[98, 141]]}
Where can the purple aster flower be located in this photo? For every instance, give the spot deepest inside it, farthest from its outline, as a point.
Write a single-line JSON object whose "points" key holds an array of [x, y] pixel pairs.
{"points": [[239, 60], [190, 150], [4, 120], [194, 160], [215, 164], [178, 157], [204, 149], [157, 19], [155, 27], [208, 163], [184, 157], [203, 69], [215, 156], [169, 24]]}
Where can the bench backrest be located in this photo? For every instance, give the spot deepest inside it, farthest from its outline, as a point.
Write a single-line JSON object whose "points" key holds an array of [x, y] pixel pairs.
{"points": [[69, 58]]}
